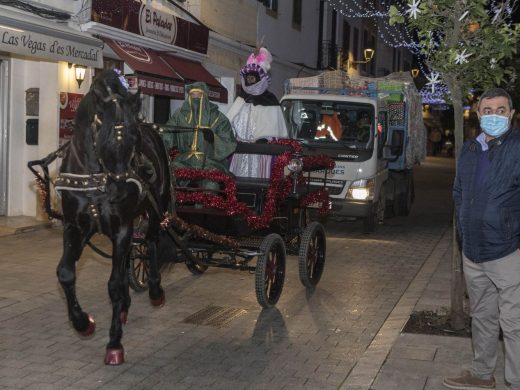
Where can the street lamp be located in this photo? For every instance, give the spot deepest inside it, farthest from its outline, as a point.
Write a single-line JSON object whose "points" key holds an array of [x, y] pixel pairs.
{"points": [[368, 54], [80, 70]]}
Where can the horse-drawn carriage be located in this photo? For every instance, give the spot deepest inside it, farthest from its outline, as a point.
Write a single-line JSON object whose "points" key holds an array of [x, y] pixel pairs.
{"points": [[115, 170], [249, 224]]}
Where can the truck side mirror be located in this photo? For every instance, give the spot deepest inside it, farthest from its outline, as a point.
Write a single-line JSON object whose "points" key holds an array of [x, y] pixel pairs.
{"points": [[395, 149]]}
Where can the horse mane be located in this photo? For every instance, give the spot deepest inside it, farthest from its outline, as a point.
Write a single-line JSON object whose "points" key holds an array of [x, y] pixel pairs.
{"points": [[105, 83]]}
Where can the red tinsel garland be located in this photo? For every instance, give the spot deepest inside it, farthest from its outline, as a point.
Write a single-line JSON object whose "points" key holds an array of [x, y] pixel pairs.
{"points": [[199, 232], [279, 187], [321, 196]]}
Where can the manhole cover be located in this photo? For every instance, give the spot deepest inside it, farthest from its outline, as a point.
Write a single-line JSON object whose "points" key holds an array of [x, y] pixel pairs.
{"points": [[214, 316]]}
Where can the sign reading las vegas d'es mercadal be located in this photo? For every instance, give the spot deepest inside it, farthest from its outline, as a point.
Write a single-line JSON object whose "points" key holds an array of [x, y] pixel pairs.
{"points": [[33, 44]]}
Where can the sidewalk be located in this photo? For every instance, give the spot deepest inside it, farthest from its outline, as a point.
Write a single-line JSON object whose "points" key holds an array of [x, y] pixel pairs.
{"points": [[420, 361], [21, 224]]}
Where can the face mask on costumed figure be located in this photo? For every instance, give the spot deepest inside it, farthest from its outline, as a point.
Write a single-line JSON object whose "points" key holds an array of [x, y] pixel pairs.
{"points": [[253, 76]]}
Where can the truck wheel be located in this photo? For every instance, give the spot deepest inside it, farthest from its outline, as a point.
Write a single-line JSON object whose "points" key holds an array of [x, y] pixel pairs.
{"points": [[405, 199], [377, 214]]}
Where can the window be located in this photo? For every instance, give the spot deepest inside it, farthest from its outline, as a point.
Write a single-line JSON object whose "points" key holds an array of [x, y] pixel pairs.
{"points": [[365, 45], [346, 38], [270, 5], [331, 123], [297, 14], [355, 48], [372, 64]]}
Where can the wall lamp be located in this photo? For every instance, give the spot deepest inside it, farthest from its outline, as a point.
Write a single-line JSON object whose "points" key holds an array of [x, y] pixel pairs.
{"points": [[368, 54], [79, 71], [414, 72]]}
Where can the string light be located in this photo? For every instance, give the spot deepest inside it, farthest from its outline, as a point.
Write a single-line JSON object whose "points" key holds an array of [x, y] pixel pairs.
{"points": [[436, 97], [399, 36]]}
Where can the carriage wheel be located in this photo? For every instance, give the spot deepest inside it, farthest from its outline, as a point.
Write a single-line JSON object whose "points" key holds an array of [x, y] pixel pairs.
{"points": [[311, 258], [270, 270], [195, 268], [139, 267]]}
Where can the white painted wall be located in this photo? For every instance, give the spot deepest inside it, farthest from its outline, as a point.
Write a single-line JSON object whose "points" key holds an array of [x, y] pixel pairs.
{"points": [[51, 78], [286, 42]]}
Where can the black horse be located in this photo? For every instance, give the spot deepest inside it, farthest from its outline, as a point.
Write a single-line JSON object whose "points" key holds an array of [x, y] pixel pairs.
{"points": [[114, 170]]}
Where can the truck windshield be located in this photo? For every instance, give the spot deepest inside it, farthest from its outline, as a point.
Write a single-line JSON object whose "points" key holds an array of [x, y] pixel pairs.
{"points": [[344, 124]]}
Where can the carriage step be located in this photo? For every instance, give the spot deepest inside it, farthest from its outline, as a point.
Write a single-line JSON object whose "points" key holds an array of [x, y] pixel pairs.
{"points": [[217, 316]]}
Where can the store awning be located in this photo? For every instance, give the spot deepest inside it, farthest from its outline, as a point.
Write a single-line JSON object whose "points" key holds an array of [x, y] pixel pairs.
{"points": [[192, 71], [153, 75]]}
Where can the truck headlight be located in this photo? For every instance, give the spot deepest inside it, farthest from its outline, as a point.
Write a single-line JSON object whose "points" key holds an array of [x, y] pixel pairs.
{"points": [[362, 189]]}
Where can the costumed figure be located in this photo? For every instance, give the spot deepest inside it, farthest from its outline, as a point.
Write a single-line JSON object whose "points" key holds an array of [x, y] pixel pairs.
{"points": [[203, 136], [255, 115]]}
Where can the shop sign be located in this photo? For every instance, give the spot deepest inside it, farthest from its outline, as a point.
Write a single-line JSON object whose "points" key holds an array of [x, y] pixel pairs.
{"points": [[69, 103], [157, 25], [29, 43], [137, 18], [155, 86]]}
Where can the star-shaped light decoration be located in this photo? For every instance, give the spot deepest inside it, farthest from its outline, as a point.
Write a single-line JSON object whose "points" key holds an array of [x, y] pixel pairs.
{"points": [[413, 8], [493, 63], [462, 57], [433, 79]]}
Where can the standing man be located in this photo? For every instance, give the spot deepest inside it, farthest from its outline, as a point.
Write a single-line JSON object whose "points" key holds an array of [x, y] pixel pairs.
{"points": [[487, 205], [202, 135]]}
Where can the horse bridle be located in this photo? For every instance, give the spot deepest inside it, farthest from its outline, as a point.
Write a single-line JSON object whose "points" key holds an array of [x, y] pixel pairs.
{"points": [[97, 181]]}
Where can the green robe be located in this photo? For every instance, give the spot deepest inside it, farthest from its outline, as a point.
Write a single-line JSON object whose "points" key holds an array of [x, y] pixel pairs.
{"points": [[194, 150]]}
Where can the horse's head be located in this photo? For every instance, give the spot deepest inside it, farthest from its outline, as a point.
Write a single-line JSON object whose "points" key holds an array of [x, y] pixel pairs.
{"points": [[116, 121], [109, 87]]}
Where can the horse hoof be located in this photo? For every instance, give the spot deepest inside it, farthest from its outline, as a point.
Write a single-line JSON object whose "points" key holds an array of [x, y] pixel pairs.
{"points": [[159, 302], [124, 317], [91, 328], [114, 357]]}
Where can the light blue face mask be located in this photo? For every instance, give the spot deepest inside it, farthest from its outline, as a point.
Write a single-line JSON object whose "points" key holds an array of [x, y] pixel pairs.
{"points": [[494, 125]]}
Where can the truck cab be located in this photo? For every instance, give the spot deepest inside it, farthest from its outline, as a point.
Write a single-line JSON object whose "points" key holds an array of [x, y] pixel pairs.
{"points": [[367, 131]]}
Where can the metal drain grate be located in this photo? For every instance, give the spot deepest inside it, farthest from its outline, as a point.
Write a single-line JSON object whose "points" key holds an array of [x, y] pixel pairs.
{"points": [[214, 316]]}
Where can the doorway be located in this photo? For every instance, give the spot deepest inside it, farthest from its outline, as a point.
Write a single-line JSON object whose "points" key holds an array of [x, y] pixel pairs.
{"points": [[161, 109]]}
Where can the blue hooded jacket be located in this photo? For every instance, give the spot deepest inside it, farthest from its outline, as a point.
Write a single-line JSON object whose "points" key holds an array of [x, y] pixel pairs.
{"points": [[489, 216]]}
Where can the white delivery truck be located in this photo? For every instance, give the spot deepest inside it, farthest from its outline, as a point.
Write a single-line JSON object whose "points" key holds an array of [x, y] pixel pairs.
{"points": [[372, 128]]}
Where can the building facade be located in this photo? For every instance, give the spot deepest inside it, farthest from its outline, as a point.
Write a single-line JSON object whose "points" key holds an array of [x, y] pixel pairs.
{"points": [[161, 46]]}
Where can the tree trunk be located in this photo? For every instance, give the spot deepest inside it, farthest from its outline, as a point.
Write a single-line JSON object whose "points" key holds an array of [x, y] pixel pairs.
{"points": [[457, 315]]}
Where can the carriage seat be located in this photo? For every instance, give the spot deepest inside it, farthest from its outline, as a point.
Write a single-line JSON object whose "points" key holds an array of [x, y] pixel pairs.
{"points": [[251, 183]]}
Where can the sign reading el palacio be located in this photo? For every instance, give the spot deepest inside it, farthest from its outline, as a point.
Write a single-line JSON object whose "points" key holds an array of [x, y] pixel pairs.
{"points": [[140, 19]]}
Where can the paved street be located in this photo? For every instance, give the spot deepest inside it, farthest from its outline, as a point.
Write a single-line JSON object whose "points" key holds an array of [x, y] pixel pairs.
{"points": [[334, 337]]}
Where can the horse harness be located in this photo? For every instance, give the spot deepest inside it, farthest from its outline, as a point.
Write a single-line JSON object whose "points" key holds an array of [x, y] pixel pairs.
{"points": [[96, 182]]}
